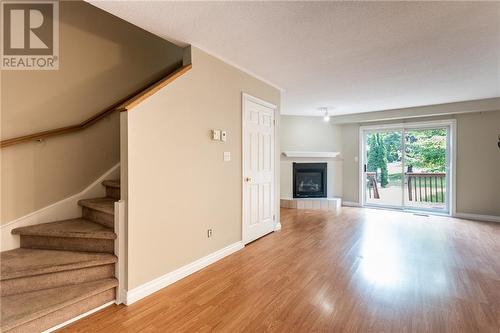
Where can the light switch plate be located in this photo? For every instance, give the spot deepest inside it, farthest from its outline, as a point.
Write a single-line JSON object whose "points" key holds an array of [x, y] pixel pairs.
{"points": [[227, 156], [223, 136]]}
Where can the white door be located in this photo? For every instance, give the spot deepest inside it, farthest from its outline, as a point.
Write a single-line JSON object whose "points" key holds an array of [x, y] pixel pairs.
{"points": [[258, 168]]}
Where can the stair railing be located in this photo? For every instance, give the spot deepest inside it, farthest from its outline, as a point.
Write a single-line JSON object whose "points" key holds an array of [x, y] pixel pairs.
{"points": [[123, 105]]}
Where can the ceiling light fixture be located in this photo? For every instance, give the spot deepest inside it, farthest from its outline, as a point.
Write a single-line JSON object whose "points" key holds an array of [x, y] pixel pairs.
{"points": [[326, 117]]}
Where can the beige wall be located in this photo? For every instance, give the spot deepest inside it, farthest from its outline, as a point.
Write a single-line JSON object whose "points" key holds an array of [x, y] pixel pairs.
{"points": [[350, 144], [102, 59], [178, 184], [478, 162]]}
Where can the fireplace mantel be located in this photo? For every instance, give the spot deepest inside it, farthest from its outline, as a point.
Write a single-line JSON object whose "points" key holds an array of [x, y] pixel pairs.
{"points": [[316, 154]]}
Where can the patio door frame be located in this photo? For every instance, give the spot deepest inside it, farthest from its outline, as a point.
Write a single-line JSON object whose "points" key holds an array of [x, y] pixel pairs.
{"points": [[450, 125]]}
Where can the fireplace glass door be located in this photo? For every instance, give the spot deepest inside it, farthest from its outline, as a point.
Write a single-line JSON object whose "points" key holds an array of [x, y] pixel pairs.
{"points": [[309, 180]]}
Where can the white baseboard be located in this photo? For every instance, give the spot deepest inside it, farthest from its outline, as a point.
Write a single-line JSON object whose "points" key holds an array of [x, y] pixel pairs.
{"points": [[350, 204], [72, 320], [161, 282], [62, 210], [277, 226], [477, 217]]}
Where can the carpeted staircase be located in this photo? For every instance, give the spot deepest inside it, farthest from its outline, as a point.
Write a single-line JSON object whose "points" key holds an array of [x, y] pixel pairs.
{"points": [[63, 268]]}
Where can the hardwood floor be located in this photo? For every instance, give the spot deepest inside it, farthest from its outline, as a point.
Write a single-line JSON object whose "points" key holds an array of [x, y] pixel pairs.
{"points": [[362, 270]]}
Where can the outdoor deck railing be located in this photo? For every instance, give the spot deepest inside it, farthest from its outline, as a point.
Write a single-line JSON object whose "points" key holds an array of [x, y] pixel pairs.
{"points": [[423, 187], [371, 177], [426, 187]]}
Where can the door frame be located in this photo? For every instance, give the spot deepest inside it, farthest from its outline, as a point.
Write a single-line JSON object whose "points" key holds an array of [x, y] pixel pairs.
{"points": [[276, 215], [451, 160]]}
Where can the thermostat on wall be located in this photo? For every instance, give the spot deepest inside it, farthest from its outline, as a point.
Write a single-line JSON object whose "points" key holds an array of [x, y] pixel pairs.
{"points": [[219, 135], [216, 135]]}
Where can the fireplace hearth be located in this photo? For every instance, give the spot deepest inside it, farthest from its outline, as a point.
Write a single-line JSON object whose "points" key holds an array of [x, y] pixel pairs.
{"points": [[309, 180]]}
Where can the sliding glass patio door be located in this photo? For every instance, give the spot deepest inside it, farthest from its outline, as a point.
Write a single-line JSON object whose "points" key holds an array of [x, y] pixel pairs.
{"points": [[426, 165], [383, 168], [406, 167]]}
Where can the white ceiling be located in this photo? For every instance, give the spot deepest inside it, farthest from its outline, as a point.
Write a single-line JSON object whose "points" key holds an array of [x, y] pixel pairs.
{"points": [[350, 56]]}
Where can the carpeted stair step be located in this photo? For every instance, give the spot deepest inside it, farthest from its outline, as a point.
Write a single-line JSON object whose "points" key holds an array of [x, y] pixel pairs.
{"points": [[112, 188], [99, 210], [71, 235], [39, 310], [25, 270]]}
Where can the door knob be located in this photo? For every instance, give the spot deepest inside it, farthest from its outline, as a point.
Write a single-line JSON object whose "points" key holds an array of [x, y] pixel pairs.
{"points": [[248, 179]]}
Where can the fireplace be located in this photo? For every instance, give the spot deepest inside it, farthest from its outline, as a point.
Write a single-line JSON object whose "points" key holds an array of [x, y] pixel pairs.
{"points": [[309, 180]]}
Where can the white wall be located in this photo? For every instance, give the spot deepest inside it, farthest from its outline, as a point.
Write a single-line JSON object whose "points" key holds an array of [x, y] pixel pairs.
{"points": [[310, 134]]}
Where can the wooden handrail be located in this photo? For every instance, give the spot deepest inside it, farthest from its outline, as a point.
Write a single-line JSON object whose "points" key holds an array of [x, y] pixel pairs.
{"points": [[125, 104], [152, 89]]}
